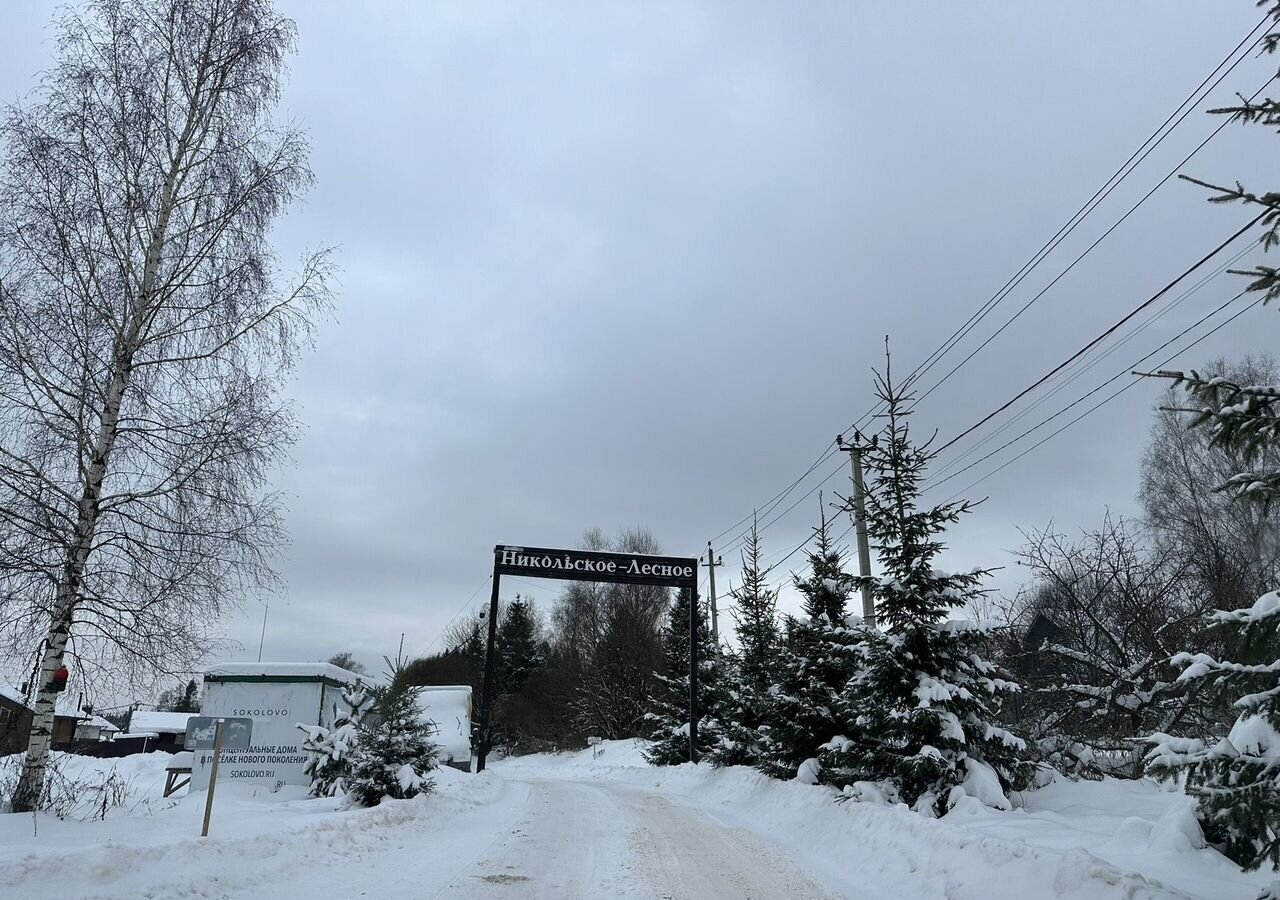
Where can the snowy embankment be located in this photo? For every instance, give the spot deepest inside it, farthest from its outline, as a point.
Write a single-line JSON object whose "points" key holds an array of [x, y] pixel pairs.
{"points": [[261, 844], [1086, 840]]}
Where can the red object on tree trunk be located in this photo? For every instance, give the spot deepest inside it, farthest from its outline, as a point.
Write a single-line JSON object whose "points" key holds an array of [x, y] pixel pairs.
{"points": [[60, 677]]}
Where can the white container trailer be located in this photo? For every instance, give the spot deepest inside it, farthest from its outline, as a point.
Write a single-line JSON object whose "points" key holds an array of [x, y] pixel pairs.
{"points": [[448, 707], [277, 696]]}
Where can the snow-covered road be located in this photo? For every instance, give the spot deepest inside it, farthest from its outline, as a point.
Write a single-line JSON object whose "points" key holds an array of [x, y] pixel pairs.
{"points": [[505, 834], [581, 839], [582, 825]]}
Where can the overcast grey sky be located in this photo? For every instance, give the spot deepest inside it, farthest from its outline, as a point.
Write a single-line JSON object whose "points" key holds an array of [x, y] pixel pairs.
{"points": [[631, 264]]}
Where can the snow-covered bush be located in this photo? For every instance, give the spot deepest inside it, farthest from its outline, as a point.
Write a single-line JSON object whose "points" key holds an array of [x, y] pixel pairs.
{"points": [[393, 751], [1236, 779], [1090, 640], [329, 749]]}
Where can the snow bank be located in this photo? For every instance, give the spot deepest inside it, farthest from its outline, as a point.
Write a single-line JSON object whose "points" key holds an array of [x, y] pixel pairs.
{"points": [[1070, 840], [261, 844]]}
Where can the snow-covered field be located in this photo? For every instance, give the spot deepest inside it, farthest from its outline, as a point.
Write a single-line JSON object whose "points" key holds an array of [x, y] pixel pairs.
{"points": [[569, 826]]}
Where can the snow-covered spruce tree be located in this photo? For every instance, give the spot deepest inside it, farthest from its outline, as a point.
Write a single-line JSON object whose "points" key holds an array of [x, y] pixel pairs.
{"points": [[670, 714], [393, 751], [329, 749], [820, 652], [826, 587], [755, 613], [1236, 780], [922, 705]]}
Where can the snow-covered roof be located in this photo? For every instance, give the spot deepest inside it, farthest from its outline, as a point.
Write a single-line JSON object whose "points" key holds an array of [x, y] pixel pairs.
{"points": [[64, 706], [282, 670], [98, 722], [10, 693], [446, 687], [160, 722]]}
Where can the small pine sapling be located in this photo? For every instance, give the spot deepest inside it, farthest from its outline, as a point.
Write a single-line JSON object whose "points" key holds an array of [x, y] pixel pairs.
{"points": [[393, 751]]}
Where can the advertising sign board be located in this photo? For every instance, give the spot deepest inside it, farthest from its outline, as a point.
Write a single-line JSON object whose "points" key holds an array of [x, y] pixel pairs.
{"points": [[237, 734]]}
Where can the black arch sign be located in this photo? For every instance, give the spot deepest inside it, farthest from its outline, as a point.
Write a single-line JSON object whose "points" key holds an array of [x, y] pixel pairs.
{"points": [[590, 565]]}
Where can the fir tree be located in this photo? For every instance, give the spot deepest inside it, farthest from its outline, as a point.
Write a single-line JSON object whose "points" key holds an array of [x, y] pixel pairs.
{"points": [[821, 652], [754, 664], [826, 586], [670, 714], [329, 749], [180, 698], [393, 751], [756, 616], [520, 646], [190, 698], [921, 706]]}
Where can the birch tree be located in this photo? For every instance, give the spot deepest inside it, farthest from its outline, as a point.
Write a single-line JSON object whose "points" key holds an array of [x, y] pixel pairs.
{"points": [[145, 330]]}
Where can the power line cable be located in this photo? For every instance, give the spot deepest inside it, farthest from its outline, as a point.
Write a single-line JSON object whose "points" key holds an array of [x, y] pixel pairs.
{"points": [[464, 608], [1086, 396], [1048, 376], [1075, 403], [1104, 401], [1083, 370], [1126, 168], [1105, 334], [1108, 186], [1036, 297]]}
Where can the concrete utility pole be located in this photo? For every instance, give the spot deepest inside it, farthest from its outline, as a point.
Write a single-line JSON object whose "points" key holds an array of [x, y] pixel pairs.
{"points": [[860, 522], [712, 562]]}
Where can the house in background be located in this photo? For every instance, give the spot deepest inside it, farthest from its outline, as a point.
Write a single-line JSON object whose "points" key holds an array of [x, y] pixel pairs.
{"points": [[95, 728], [161, 730], [16, 716]]}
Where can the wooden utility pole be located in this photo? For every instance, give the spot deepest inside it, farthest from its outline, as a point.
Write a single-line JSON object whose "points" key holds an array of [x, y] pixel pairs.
{"points": [[213, 777], [712, 562], [860, 522]]}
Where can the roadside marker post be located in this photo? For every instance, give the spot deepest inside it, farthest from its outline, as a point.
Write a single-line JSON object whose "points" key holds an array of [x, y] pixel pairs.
{"points": [[213, 778], [218, 733]]}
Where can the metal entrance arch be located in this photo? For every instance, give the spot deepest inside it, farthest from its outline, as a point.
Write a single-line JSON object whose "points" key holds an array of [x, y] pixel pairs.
{"points": [[590, 565]]}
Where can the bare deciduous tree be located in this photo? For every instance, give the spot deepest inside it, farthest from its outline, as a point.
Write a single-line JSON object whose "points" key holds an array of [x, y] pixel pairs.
{"points": [[144, 335], [1100, 622], [1232, 548], [610, 638]]}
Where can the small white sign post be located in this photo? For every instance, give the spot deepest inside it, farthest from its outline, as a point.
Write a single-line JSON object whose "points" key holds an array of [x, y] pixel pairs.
{"points": [[595, 746]]}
